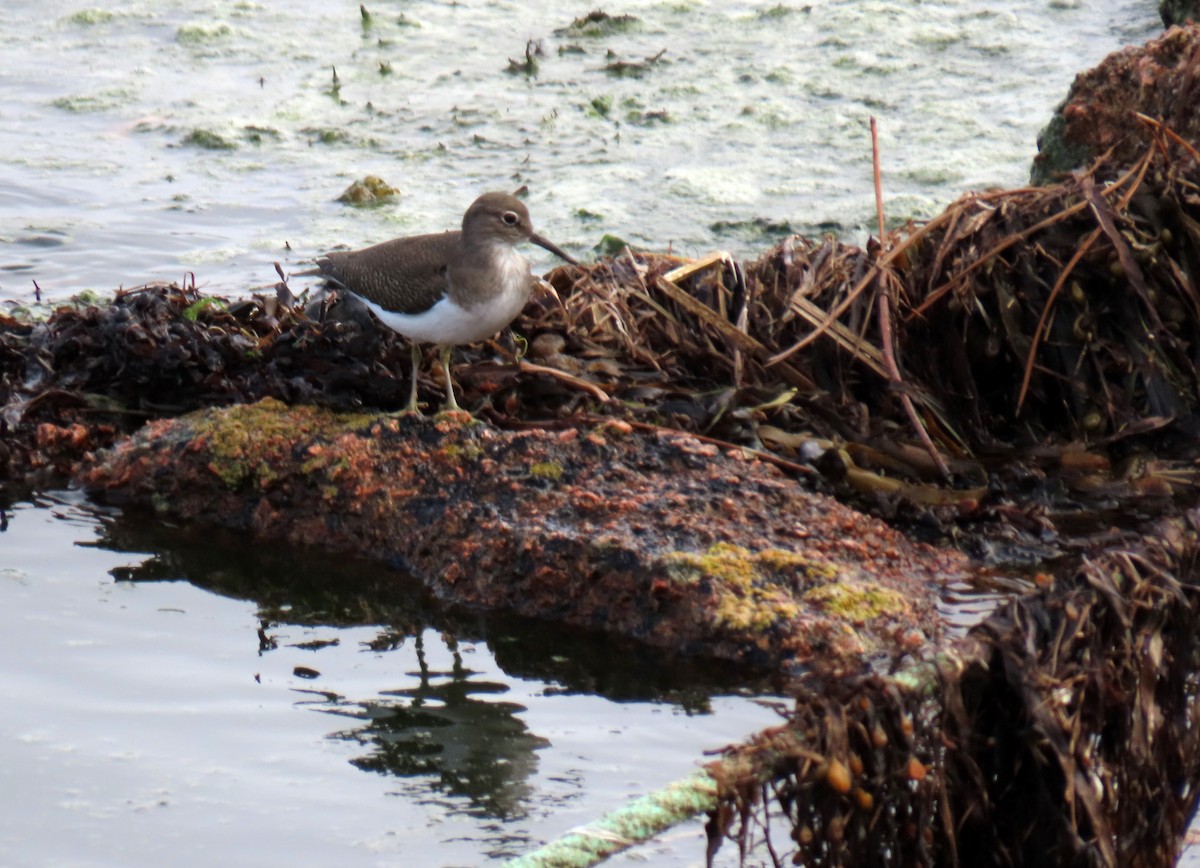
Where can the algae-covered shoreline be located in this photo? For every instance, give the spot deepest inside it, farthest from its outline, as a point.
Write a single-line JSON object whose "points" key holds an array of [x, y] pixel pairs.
{"points": [[710, 148]]}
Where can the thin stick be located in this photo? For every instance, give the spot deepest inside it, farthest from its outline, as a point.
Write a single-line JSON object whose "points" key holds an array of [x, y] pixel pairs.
{"points": [[1133, 272], [729, 331], [889, 358], [885, 323], [878, 177], [880, 263], [570, 379]]}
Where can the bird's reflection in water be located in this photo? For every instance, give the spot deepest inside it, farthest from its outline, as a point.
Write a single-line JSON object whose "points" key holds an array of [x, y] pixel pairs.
{"points": [[447, 728]]}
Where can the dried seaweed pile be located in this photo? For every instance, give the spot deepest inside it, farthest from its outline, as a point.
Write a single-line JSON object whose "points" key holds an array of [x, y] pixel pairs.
{"points": [[1070, 739], [693, 344], [1067, 312], [1072, 309], [853, 778], [162, 350]]}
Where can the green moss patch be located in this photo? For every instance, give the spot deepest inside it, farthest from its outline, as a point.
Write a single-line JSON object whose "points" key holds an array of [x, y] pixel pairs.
{"points": [[857, 601], [241, 440], [753, 589], [546, 470]]}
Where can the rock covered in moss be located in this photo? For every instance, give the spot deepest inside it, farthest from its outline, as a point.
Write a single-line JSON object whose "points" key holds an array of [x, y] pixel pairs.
{"points": [[661, 538], [1160, 80], [1178, 11], [370, 190]]}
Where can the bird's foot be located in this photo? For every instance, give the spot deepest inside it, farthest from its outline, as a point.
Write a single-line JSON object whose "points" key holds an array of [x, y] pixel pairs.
{"points": [[405, 412], [458, 415]]}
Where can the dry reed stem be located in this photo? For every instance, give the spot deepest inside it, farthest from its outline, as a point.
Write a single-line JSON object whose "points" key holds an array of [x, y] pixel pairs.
{"points": [[735, 337], [895, 378], [1160, 127]]}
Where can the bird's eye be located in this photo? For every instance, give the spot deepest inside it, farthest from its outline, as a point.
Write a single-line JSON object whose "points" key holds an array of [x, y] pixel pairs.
{"points": [[510, 218]]}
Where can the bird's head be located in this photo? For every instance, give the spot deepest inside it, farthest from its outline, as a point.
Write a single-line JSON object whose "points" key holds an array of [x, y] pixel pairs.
{"points": [[502, 218]]}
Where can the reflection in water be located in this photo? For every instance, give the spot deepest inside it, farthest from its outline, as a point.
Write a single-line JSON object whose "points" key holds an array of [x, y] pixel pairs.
{"points": [[311, 587], [445, 728]]}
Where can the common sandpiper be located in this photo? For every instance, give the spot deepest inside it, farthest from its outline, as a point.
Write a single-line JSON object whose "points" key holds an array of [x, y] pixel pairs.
{"points": [[447, 288]]}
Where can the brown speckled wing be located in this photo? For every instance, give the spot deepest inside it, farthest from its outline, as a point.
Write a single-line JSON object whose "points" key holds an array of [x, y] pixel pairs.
{"points": [[405, 275]]}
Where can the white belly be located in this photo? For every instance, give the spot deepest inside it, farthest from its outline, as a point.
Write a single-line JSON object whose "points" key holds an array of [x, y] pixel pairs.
{"points": [[449, 322]]}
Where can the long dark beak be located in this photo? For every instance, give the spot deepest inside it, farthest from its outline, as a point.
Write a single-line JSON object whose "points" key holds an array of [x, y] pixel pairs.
{"points": [[552, 247]]}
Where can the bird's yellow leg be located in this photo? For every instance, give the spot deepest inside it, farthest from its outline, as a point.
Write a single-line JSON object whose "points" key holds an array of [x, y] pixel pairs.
{"points": [[451, 403], [412, 392]]}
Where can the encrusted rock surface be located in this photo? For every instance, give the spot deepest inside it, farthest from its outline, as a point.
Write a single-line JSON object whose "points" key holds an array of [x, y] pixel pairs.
{"points": [[1179, 11], [1160, 79], [663, 538]]}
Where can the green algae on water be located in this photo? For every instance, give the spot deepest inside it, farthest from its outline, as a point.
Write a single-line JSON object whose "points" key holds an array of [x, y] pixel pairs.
{"points": [[585, 215], [777, 12], [634, 68], [91, 17], [102, 101], [601, 106], [326, 135], [208, 140], [758, 229], [256, 135], [198, 34], [648, 118]]}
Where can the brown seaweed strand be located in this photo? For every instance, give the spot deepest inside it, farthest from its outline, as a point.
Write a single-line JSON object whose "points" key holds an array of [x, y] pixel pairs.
{"points": [[1171, 134], [1036, 338], [1015, 238], [999, 248], [1104, 216], [1140, 172], [881, 263]]}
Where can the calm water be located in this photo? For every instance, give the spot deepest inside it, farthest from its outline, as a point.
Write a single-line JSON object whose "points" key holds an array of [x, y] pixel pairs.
{"points": [[754, 120], [144, 723]]}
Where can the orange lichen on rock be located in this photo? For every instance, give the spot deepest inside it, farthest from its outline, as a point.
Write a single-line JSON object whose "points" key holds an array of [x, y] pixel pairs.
{"points": [[660, 538]]}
